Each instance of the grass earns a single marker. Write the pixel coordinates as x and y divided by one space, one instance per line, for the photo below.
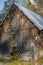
18 62
41 60
14 61
2 58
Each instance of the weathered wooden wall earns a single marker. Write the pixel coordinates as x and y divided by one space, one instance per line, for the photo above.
19 30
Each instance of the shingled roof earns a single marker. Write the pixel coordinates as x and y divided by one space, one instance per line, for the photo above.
34 17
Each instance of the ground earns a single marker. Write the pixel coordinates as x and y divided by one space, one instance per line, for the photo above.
19 62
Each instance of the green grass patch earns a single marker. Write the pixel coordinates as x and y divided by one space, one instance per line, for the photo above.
3 59
19 62
41 60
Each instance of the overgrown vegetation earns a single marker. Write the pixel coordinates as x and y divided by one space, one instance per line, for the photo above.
29 6
40 60
39 10
19 62
41 2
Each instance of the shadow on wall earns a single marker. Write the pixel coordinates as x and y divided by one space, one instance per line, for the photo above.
4 48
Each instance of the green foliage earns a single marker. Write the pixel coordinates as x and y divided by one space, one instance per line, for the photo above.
16 56
19 62
3 58
0 29
41 2
29 6
0 22
41 60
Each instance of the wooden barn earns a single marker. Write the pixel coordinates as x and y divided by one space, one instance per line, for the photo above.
23 29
